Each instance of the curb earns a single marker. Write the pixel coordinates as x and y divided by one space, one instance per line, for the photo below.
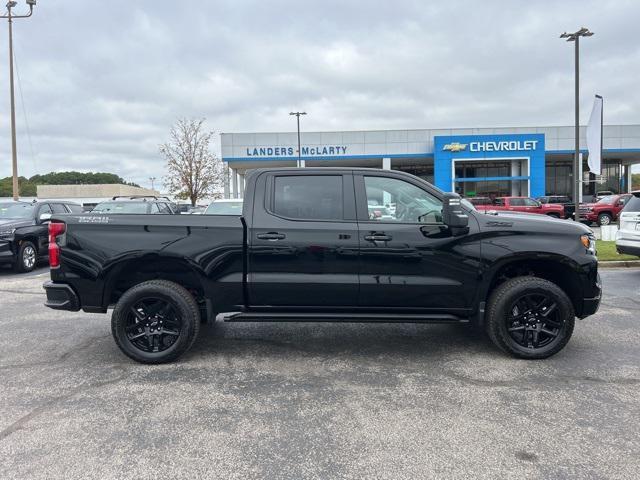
619 264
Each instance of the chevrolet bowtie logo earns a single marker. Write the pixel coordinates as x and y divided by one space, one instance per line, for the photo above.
455 147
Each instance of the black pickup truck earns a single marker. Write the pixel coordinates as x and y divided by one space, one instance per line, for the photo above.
327 244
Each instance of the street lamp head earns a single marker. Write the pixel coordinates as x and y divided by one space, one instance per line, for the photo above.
11 4
572 37
31 3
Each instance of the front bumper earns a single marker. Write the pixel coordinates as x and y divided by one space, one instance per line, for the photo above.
7 255
61 296
590 305
588 216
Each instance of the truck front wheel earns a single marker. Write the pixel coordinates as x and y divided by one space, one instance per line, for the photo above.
155 321
26 258
529 317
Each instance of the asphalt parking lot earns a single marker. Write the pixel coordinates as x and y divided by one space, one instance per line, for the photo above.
316 401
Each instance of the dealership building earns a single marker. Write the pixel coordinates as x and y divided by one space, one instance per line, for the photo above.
522 161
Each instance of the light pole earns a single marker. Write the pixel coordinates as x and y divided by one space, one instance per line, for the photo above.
297 114
153 179
14 154
577 181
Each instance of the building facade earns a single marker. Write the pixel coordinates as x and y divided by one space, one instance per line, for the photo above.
533 161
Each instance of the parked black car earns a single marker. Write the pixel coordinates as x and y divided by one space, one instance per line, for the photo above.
569 206
307 249
136 204
23 231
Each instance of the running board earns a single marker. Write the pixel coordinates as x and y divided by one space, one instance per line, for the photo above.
343 317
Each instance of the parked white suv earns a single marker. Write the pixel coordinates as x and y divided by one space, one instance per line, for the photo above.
628 236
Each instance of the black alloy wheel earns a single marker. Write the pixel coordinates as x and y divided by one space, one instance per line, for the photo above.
533 320
155 321
153 325
529 317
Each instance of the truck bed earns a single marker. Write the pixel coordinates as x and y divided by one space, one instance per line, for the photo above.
111 250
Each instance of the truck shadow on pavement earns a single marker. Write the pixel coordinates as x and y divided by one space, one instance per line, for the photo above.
334 340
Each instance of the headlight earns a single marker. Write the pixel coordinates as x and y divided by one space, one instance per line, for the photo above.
589 242
7 233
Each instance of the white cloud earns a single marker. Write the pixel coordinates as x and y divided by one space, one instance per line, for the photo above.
103 81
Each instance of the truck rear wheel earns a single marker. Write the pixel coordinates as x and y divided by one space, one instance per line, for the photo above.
155 322
529 317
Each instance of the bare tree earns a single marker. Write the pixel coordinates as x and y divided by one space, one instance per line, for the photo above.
193 170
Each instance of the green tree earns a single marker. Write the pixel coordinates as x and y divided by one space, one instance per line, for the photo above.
25 187
28 186
635 181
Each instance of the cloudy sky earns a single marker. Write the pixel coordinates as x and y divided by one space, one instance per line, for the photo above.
102 81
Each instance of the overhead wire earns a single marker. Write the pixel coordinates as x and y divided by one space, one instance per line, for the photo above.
24 113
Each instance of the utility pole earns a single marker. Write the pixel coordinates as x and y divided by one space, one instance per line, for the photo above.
297 114
14 153
577 181
153 179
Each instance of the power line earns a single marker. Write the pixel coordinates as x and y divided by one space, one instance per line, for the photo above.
24 113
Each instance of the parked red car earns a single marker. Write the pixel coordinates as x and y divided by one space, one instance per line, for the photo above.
525 205
605 210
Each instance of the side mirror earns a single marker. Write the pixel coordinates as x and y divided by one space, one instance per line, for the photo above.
45 217
453 215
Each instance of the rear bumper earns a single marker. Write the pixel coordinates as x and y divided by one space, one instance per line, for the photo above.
627 246
61 296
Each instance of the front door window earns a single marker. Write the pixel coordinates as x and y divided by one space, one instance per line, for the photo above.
393 200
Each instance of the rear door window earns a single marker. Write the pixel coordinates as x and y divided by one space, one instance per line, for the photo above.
74 208
58 208
308 197
164 208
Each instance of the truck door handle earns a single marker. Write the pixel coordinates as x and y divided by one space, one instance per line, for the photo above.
377 237
271 236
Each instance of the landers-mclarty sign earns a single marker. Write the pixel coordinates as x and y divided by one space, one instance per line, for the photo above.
321 151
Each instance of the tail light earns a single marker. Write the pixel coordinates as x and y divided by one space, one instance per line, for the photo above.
55 230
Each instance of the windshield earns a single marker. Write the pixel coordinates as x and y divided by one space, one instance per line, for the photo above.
224 208
16 210
121 207
607 200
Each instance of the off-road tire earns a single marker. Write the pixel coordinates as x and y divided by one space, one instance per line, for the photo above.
180 299
498 309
